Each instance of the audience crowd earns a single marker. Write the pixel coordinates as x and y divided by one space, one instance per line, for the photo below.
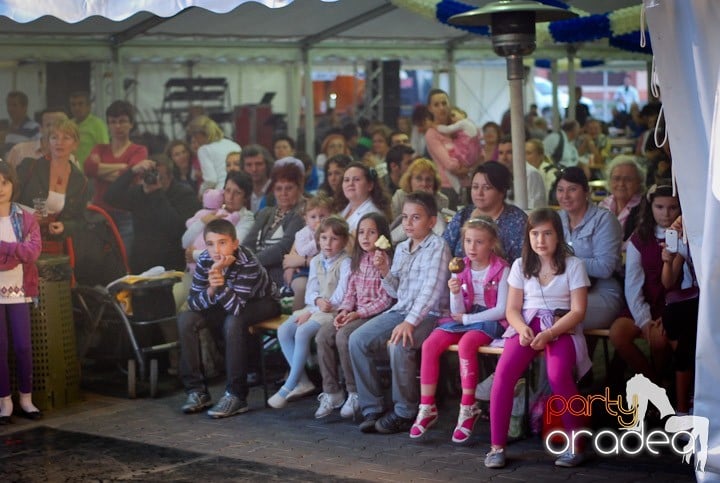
362 237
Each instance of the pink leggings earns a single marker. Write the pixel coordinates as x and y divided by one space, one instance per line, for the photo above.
560 361
468 343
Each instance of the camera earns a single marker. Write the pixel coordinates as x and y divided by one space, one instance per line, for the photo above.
150 176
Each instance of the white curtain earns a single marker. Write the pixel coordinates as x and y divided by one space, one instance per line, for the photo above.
685 39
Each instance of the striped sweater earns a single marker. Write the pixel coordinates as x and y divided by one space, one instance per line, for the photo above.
245 280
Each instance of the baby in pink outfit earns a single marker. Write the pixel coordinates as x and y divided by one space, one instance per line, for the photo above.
465 136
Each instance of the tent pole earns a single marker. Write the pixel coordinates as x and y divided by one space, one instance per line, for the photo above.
515 75
309 105
293 102
572 101
450 59
555 97
117 76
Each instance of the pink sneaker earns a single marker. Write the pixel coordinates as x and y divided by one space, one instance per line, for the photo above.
465 424
427 416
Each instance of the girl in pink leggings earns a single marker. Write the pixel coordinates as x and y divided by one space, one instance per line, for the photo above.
545 307
477 302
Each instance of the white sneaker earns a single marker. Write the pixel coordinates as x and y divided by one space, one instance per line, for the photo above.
351 406
328 402
277 401
303 388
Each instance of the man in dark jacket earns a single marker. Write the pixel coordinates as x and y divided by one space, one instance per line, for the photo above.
159 208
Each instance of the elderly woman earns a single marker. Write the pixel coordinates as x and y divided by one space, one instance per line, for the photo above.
58 182
596 237
421 175
212 149
273 234
625 178
362 192
490 184
451 170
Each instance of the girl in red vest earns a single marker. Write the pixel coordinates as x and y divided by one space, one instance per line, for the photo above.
477 302
644 290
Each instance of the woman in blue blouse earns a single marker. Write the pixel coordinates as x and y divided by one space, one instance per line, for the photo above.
490 184
595 235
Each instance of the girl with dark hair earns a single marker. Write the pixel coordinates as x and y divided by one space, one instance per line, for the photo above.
365 298
181 155
333 174
490 183
20 248
546 305
362 192
596 237
644 288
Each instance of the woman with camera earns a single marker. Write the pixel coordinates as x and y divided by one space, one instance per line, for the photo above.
159 207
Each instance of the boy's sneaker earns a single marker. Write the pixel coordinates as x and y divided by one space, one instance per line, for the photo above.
351 406
391 423
495 458
427 416
467 417
368 424
228 405
328 403
570 460
196 402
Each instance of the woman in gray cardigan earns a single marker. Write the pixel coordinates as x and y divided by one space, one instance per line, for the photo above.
273 233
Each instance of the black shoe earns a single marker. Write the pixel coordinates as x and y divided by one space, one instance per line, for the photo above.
392 423
33 415
5 420
368 424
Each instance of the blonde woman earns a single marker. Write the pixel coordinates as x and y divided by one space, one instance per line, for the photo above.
57 181
212 149
421 175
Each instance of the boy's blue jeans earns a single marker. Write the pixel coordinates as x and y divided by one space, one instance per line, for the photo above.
370 340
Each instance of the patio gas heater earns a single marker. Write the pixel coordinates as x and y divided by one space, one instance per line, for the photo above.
512 27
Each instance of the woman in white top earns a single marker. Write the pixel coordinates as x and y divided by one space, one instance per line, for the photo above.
362 192
212 150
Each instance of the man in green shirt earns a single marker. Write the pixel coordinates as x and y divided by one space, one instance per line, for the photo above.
92 129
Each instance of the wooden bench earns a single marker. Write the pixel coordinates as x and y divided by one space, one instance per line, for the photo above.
266 326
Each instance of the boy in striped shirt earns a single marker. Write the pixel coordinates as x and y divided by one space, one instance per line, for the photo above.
230 291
